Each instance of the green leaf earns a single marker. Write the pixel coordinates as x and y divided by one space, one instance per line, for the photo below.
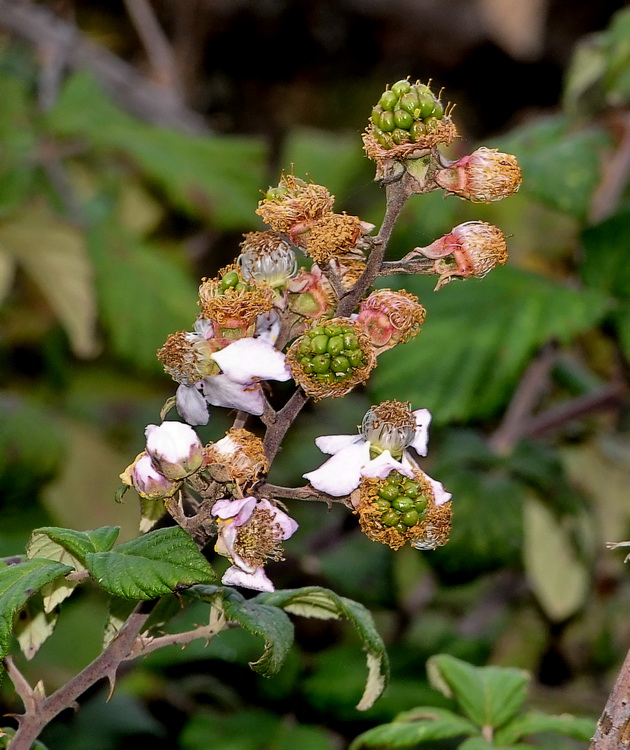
489 696
414 727
34 626
256 618
534 722
69 547
478 743
216 178
53 254
150 566
313 601
478 338
144 295
558 576
561 166
17 584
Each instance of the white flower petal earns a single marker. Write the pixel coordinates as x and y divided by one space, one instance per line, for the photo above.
240 510
248 359
220 390
334 443
342 473
268 327
191 405
421 439
381 466
285 522
440 494
257 580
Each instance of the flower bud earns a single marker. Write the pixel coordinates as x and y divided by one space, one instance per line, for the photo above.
147 480
389 318
174 448
484 176
470 249
331 358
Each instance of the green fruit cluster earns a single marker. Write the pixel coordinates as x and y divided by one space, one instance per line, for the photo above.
405 114
330 353
231 280
401 501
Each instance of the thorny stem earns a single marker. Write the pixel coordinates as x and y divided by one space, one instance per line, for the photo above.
105 665
397 194
301 493
128 644
284 419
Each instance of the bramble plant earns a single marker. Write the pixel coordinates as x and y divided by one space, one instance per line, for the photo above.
298 303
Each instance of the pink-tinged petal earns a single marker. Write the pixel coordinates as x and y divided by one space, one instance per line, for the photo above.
342 473
191 405
257 580
226 539
421 439
334 443
240 510
284 521
268 327
440 494
219 390
381 466
204 327
247 360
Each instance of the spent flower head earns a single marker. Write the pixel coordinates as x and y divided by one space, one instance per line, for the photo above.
294 204
267 258
484 176
390 317
251 532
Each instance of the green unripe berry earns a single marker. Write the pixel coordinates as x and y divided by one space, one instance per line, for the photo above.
400 136
410 489
422 88
403 119
376 116
426 105
230 279
409 518
321 363
319 344
401 87
340 364
438 110
409 102
420 505
388 492
350 341
317 331
335 345
432 124
388 100
390 518
417 130
356 357
382 505
387 122
402 503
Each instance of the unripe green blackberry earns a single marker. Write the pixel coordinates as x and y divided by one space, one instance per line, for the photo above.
331 358
408 117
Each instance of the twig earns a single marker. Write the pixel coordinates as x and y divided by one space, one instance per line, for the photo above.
615 175
105 665
307 492
284 419
145 645
132 91
613 727
21 685
156 45
529 390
